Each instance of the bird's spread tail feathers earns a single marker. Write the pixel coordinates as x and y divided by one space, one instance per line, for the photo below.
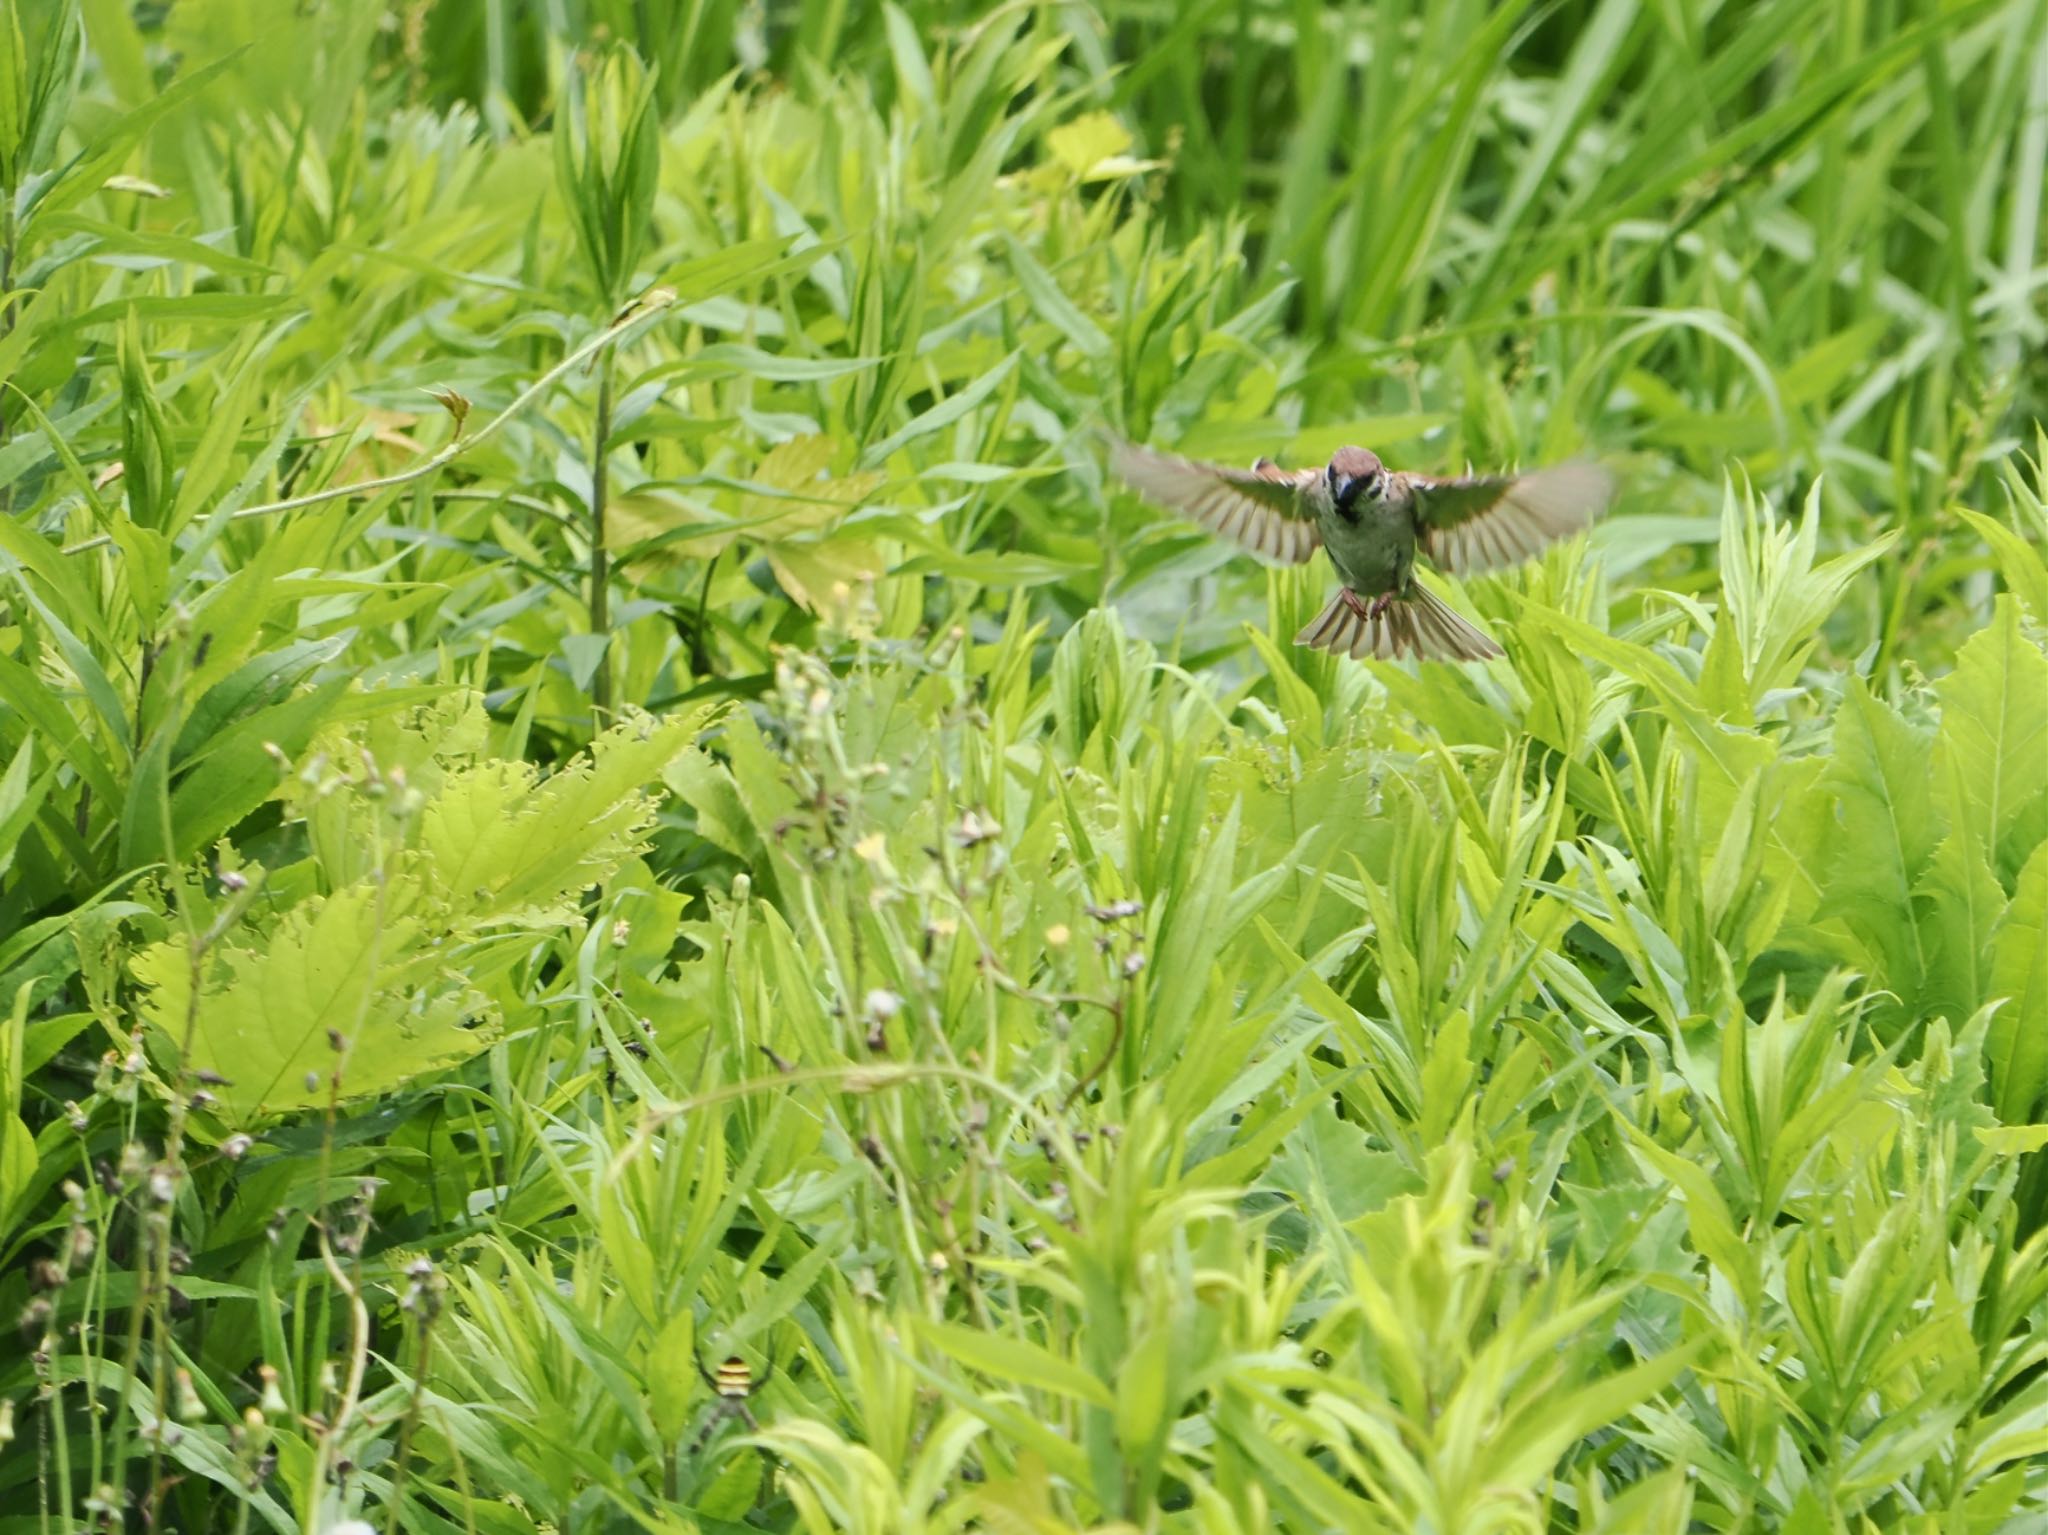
1421 624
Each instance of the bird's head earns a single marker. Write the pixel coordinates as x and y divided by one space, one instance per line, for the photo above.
1355 472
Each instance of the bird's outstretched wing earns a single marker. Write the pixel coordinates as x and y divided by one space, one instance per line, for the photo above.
1260 507
1480 522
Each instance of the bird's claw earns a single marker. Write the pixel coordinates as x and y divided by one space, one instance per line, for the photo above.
1369 611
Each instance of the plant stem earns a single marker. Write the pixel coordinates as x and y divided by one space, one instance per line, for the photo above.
9 235
600 556
659 299
422 1367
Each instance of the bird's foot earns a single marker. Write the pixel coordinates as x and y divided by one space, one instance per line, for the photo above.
1379 606
1356 603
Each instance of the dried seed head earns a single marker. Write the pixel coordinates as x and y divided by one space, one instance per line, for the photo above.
976 828
1116 911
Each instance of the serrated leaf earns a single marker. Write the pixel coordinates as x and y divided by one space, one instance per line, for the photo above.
507 845
1960 902
1883 831
1994 734
262 1015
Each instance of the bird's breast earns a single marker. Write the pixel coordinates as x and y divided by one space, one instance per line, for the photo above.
1367 553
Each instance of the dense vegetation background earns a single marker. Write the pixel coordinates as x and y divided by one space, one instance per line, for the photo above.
591 778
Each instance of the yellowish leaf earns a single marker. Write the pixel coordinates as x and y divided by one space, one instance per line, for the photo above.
1087 141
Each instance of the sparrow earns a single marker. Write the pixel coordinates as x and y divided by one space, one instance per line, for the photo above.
1372 520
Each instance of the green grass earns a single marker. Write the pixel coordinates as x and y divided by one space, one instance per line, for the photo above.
592 777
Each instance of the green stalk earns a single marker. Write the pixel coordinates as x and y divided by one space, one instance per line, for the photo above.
600 556
9 236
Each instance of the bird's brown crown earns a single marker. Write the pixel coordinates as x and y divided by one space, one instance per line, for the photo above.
1355 462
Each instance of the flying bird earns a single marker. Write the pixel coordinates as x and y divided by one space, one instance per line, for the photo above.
1372 520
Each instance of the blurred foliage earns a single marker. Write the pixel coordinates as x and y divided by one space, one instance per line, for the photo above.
592 781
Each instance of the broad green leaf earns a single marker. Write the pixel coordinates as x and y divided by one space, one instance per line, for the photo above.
1883 831
504 844
266 1018
1994 735
18 1157
2017 1043
1960 903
